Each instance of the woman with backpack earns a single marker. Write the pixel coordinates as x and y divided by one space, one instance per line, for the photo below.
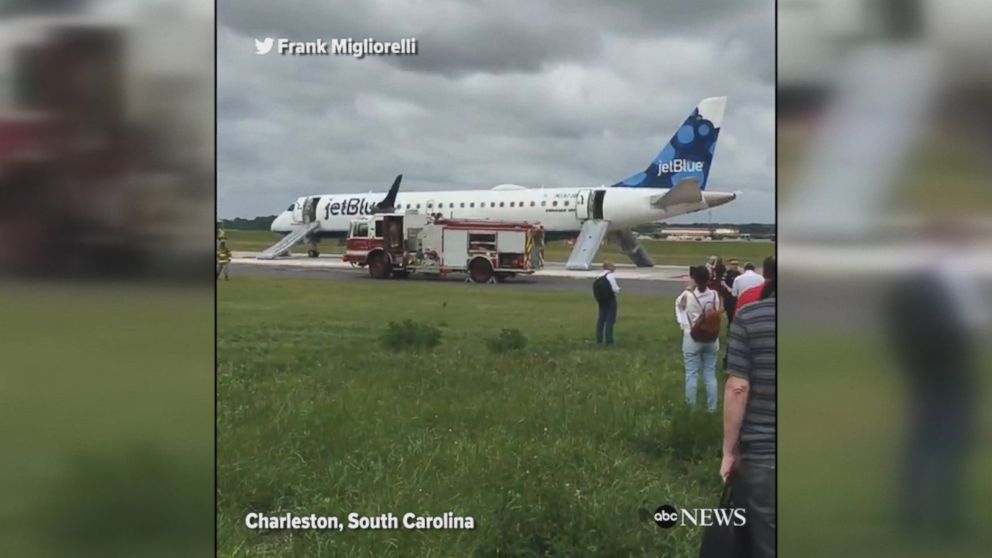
699 311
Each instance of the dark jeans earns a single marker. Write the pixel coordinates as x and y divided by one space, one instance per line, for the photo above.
754 490
604 323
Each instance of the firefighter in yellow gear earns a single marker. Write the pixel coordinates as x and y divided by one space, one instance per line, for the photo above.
223 259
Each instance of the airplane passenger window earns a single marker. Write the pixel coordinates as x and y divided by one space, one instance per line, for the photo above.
555 203
532 204
543 203
566 203
492 204
418 206
430 205
462 204
511 204
451 205
471 204
501 204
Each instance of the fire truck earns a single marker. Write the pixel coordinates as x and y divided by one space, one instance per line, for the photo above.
397 244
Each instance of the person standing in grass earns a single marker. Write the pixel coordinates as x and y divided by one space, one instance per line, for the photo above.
698 311
746 280
749 424
605 290
729 300
223 259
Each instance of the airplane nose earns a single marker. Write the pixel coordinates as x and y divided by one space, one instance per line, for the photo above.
714 199
282 223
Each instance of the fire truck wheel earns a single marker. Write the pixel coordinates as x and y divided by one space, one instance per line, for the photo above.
480 270
379 267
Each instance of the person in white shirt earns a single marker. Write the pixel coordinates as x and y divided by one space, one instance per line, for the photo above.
689 307
746 280
605 290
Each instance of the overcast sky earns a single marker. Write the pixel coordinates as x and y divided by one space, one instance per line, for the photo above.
530 92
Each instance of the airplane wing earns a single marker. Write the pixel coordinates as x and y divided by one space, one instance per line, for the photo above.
687 191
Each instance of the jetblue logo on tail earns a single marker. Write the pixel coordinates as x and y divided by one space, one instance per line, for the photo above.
679 165
688 154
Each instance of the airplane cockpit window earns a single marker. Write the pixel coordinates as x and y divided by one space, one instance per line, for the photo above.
291 207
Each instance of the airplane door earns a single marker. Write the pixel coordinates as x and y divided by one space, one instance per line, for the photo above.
310 209
298 210
583 205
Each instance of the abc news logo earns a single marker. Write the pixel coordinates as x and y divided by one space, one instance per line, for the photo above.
667 517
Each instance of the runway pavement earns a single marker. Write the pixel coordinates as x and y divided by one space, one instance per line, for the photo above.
658 280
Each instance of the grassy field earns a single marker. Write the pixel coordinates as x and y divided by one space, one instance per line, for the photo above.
664 252
561 448
842 411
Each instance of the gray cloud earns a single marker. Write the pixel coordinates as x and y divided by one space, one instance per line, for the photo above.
548 93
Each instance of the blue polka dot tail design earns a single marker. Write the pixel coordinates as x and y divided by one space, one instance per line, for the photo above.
688 154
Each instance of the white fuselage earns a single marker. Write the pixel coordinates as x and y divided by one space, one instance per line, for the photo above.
561 210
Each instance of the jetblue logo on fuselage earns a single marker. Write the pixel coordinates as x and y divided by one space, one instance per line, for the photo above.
679 165
349 206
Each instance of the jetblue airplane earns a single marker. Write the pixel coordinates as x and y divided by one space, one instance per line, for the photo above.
674 183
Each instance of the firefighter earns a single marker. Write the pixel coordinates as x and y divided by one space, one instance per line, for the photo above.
223 259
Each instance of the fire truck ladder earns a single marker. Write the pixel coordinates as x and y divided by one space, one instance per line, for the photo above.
587 244
292 239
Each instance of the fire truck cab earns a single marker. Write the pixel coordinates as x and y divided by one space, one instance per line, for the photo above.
397 244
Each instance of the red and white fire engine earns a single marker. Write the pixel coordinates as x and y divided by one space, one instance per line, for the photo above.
397 244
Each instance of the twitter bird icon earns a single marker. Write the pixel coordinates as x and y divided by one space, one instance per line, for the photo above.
263 46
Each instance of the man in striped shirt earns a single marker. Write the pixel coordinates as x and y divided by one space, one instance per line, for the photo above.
749 418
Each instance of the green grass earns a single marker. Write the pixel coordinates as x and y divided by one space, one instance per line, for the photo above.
842 411
559 448
664 252
107 420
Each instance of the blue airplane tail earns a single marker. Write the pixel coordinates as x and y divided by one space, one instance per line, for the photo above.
688 154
